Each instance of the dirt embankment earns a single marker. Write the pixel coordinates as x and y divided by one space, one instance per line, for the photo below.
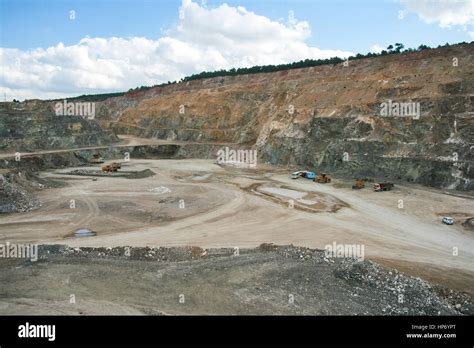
267 280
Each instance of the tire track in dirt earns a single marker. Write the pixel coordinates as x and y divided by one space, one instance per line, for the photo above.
93 211
149 233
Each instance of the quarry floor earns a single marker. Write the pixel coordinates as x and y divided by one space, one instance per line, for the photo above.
194 202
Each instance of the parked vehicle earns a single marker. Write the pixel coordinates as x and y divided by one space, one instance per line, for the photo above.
359 184
322 179
117 165
303 174
448 220
96 159
296 175
383 186
112 167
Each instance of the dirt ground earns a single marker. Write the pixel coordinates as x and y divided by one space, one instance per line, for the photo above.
197 202
171 281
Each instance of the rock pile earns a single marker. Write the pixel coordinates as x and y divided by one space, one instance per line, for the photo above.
14 197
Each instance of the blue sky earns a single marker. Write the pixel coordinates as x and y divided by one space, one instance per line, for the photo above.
347 25
32 30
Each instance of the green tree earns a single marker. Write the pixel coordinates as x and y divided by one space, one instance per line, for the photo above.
399 47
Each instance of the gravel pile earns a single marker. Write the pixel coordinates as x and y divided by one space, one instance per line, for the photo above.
469 224
415 296
14 198
120 174
134 253
458 300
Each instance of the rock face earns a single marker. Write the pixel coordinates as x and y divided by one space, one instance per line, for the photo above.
403 116
328 117
34 125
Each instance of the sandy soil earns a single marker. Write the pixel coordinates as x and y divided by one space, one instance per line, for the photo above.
211 206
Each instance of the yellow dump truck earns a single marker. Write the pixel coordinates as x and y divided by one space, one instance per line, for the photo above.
111 167
359 184
96 159
322 179
383 186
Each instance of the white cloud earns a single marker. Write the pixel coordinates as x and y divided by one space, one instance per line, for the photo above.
376 48
446 13
204 39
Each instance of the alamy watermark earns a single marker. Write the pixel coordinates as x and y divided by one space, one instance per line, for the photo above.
237 158
19 251
356 251
400 109
37 331
84 109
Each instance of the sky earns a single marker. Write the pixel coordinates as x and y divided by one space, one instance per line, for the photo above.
64 48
